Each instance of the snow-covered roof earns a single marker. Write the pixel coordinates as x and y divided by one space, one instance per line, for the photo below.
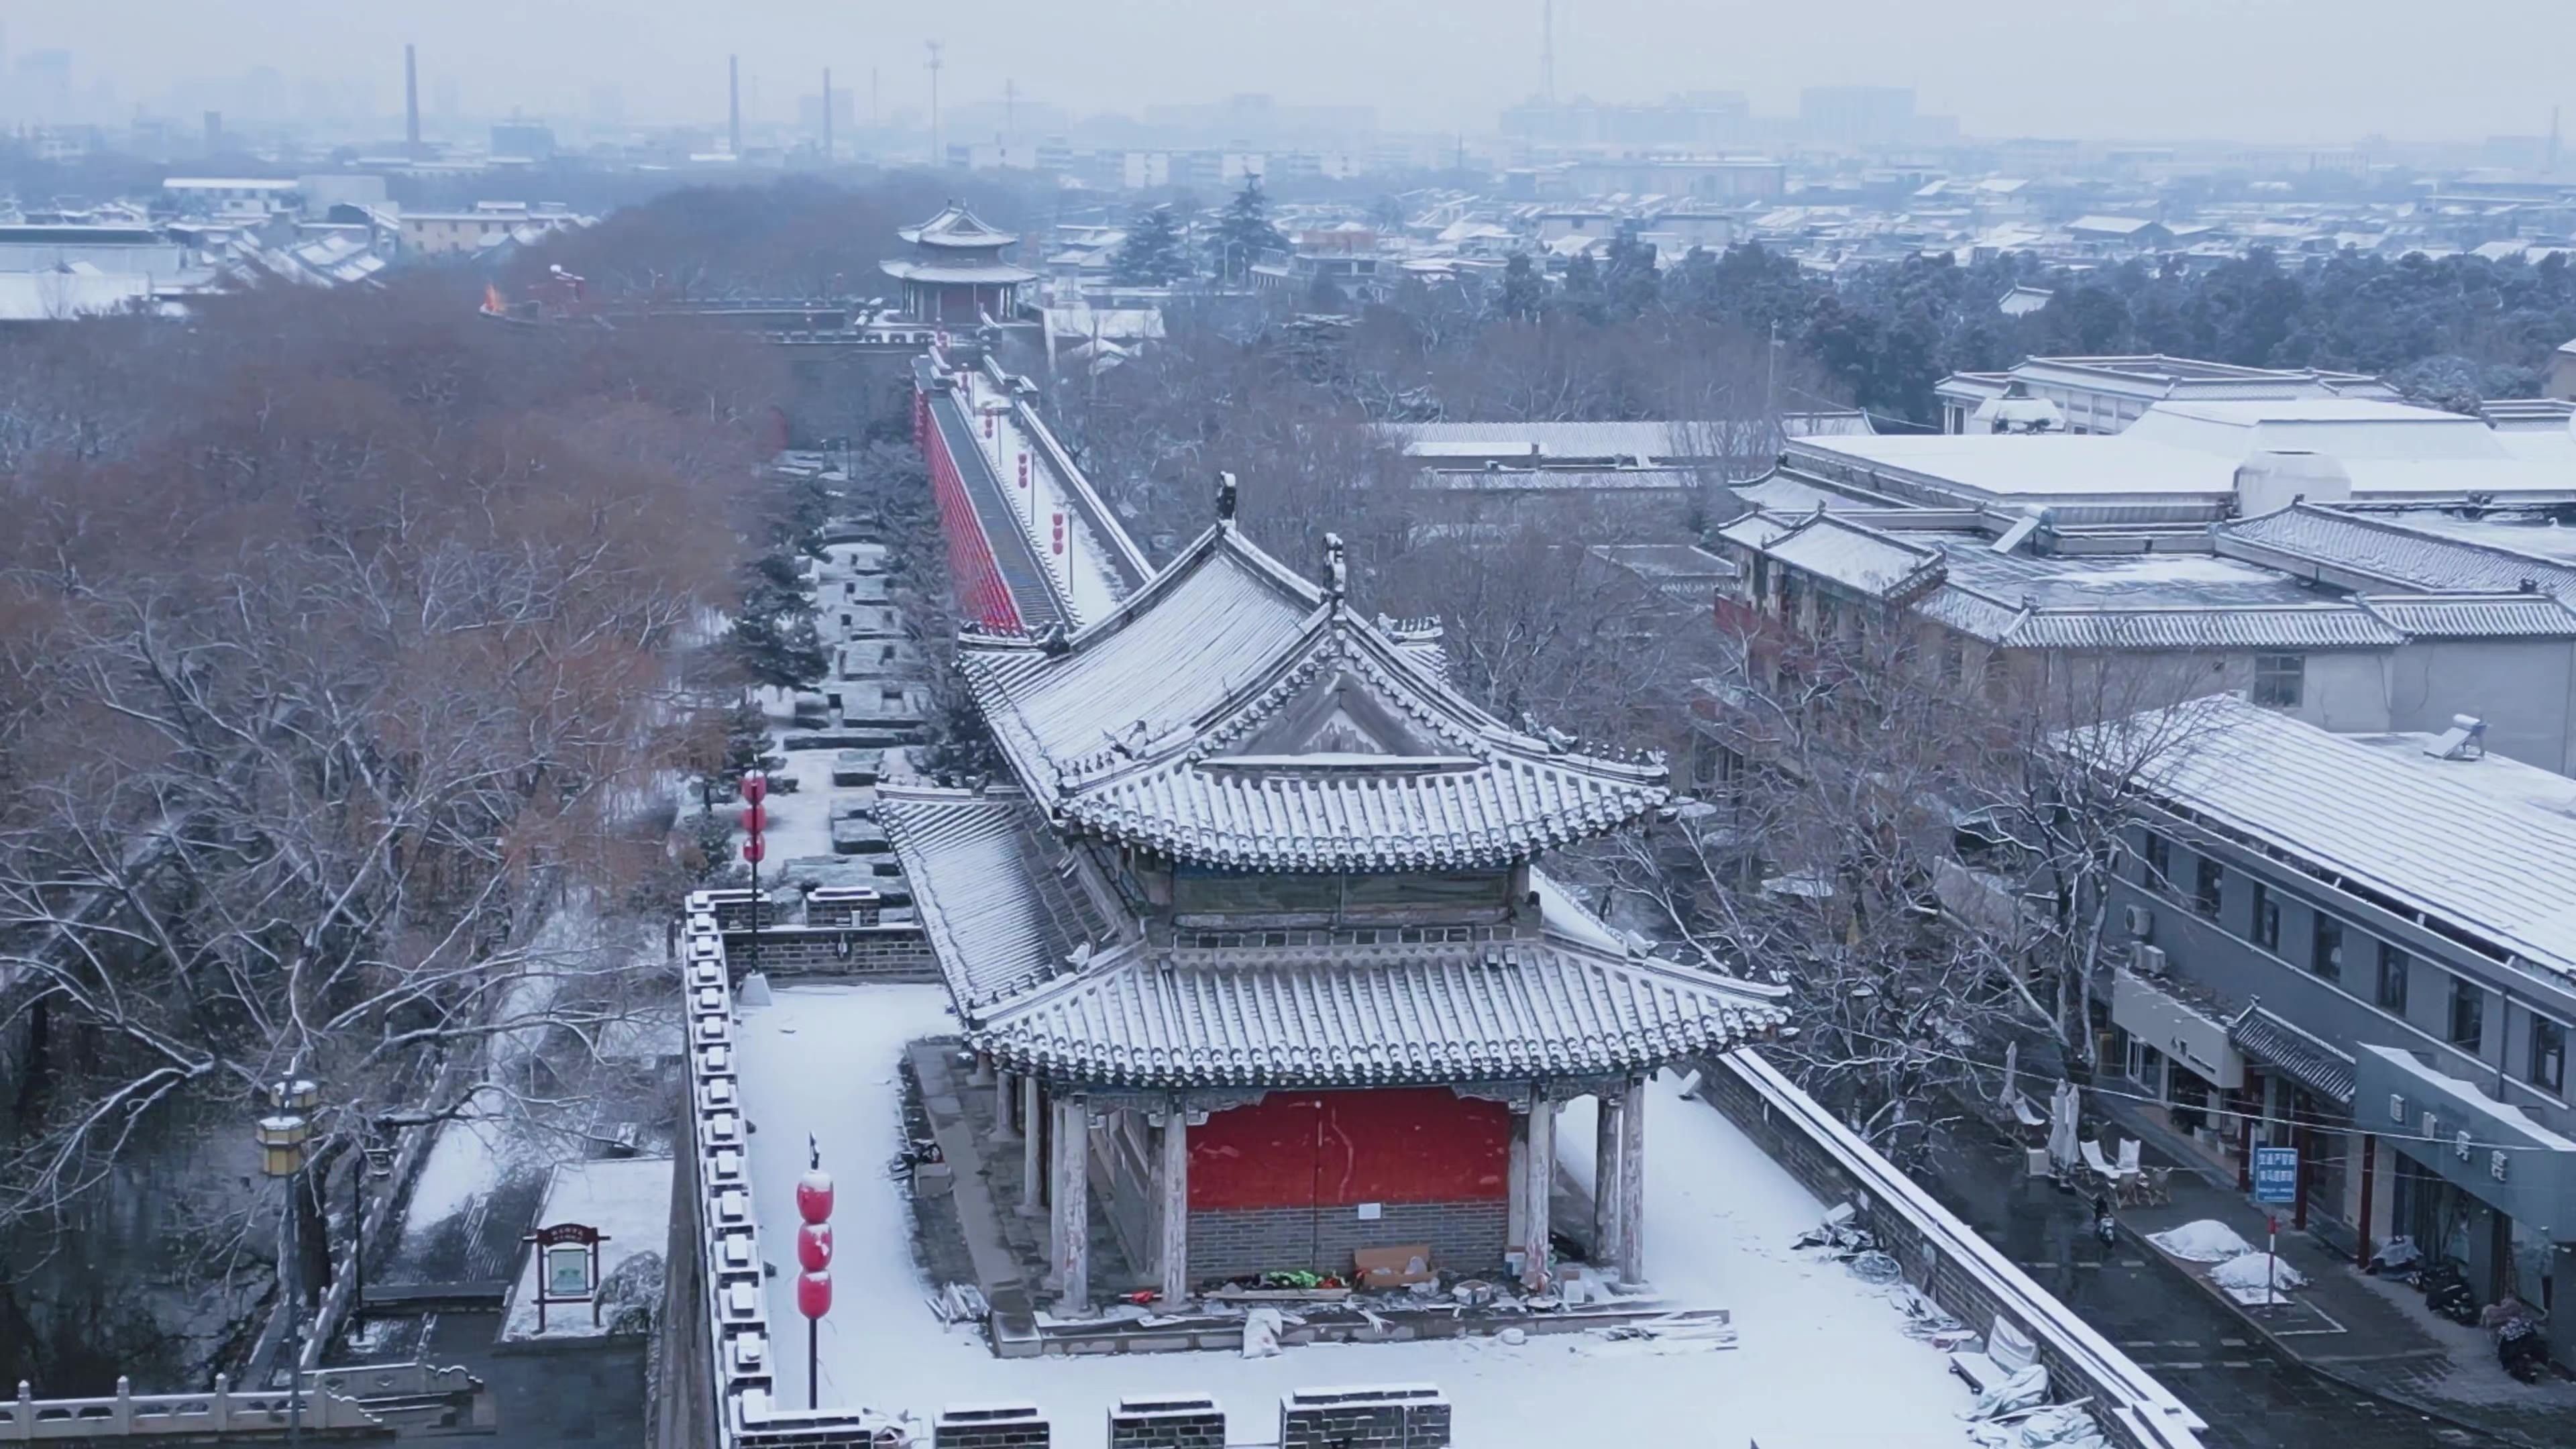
978 273
2110 225
2399 550
2475 616
1334 1014
1863 559
1048 983
1233 714
2493 868
1644 441
980 868
2190 451
957 228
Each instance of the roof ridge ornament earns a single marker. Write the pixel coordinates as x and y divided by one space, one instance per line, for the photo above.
1337 574
1225 498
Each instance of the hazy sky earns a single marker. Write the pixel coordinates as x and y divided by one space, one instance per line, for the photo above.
2304 70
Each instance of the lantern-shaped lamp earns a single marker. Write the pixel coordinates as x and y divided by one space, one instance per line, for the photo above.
814 1294
282 1142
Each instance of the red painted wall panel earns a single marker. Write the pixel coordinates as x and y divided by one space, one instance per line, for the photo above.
1333 1149
981 594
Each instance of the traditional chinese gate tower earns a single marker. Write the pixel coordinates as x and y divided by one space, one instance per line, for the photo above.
1257 947
956 275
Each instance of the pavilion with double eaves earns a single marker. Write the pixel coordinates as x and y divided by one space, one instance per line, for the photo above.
1254 940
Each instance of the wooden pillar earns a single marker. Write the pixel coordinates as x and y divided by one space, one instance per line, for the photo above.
1172 1200
1538 1177
1515 1180
1632 1186
1607 1135
1073 1206
1006 1100
1033 1148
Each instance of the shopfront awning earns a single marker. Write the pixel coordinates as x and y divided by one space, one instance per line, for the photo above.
2491 1150
2189 1033
2297 1054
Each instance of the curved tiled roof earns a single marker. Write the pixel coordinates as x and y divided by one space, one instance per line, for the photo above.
999 918
1157 727
1372 1016
2475 616
2290 626
2305 533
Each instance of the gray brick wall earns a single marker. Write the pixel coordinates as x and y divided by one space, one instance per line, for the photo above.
1465 1237
877 953
1018 1426
1167 1424
1402 1418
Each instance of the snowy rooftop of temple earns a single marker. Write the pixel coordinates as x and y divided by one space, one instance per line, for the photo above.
1823 1358
1232 713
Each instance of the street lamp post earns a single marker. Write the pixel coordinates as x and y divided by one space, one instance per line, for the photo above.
285 1138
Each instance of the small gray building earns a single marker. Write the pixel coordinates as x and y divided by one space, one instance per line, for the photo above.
2364 947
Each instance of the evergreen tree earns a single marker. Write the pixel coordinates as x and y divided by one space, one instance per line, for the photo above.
747 744
1152 255
773 636
1244 232
1523 292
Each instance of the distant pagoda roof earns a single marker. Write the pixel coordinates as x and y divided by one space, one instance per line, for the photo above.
1048 982
962 273
956 228
1230 713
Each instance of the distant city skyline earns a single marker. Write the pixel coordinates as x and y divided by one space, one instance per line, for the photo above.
2300 71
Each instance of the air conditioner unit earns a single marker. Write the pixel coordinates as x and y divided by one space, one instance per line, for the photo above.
2150 960
2140 920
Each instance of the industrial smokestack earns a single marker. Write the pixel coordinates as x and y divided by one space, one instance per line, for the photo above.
733 104
411 100
827 115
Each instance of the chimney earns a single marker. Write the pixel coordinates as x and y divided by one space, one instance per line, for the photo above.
733 104
827 115
411 101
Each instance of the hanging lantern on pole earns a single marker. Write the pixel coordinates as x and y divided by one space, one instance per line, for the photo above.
814 1255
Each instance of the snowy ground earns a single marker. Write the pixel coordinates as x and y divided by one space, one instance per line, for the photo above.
629 1199
1822 1360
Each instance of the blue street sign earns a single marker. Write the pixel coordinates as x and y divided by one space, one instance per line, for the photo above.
2276 1174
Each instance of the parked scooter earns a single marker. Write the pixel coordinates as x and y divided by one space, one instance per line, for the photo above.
2105 1226
2446 1292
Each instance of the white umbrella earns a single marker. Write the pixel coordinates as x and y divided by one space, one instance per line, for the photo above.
2062 1108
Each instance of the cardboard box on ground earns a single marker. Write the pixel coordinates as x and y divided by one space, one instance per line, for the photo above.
1392 1267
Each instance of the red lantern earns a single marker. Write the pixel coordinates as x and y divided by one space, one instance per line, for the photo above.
814 1196
814 1247
754 850
1059 533
755 819
755 786
814 1294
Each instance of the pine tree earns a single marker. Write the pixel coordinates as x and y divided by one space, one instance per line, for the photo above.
747 743
773 636
1522 290
1151 256
1244 232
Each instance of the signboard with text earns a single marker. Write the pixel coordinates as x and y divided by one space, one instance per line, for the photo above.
2276 1174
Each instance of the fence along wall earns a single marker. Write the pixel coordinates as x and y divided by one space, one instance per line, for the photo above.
1944 1256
